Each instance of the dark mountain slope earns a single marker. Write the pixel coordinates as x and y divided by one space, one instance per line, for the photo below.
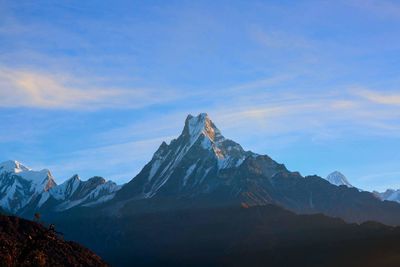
235 236
25 243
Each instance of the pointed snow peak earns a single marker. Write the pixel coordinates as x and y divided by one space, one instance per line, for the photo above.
337 178
71 181
12 166
38 179
67 188
389 194
74 178
201 125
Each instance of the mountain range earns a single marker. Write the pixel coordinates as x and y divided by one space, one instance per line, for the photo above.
204 169
23 190
183 188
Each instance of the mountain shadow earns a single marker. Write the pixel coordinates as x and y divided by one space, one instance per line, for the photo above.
235 236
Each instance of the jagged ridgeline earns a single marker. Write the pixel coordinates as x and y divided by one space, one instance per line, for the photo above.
200 168
24 191
203 199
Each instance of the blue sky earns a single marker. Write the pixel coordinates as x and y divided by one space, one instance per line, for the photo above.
93 88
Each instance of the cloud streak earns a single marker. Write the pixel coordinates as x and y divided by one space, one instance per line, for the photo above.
323 114
379 98
24 88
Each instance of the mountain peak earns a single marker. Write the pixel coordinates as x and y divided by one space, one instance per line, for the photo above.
337 178
189 161
195 126
36 177
389 194
12 166
21 184
75 177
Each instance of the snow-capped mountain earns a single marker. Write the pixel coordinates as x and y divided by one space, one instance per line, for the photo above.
337 178
74 192
23 190
201 162
190 163
389 195
203 169
19 185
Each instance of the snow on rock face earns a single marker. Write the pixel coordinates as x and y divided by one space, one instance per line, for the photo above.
12 166
19 184
227 152
74 192
186 162
66 189
201 125
198 132
389 195
189 171
337 178
39 180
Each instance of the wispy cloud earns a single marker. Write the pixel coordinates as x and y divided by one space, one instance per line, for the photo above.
322 114
378 97
258 105
25 88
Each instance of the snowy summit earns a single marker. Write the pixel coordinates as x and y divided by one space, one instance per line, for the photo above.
23 188
12 166
337 178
